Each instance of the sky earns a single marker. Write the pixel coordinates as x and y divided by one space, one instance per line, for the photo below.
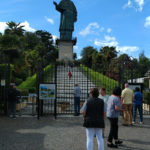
124 24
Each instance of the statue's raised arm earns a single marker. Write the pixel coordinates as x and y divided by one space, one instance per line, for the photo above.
54 3
68 17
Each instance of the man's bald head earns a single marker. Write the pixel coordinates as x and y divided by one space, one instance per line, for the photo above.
126 85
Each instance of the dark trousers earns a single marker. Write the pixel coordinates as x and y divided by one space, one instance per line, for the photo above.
113 134
139 107
76 105
12 108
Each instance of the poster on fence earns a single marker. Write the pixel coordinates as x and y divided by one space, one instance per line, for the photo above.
3 83
132 86
47 91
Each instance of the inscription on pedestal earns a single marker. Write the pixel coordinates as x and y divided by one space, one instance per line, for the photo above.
65 50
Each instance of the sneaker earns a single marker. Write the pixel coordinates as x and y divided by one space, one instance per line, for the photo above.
118 142
141 122
112 145
125 124
14 117
133 122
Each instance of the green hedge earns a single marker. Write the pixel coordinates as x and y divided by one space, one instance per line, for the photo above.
30 83
146 97
99 79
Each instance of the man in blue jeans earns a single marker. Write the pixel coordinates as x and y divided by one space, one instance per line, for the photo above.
137 104
77 95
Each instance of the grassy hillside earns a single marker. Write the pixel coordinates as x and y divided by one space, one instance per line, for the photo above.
30 83
99 79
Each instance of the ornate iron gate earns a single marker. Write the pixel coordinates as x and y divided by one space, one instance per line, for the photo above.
84 76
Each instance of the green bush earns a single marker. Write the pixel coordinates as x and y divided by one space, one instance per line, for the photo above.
24 92
146 97
18 81
32 90
30 83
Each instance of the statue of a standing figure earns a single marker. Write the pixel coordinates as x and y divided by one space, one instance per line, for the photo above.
68 17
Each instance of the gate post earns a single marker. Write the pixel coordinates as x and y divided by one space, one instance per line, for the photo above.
87 82
55 103
120 76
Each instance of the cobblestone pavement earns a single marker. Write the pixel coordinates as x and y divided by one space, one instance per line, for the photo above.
65 133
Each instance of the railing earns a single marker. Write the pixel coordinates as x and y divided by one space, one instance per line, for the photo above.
146 109
27 105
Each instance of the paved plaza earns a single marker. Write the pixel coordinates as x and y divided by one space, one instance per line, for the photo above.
65 133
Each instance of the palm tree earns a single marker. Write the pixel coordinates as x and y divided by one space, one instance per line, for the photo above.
10 43
15 28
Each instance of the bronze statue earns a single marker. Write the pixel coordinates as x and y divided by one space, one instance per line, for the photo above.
68 17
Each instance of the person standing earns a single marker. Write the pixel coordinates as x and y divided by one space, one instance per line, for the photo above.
69 74
105 97
93 113
77 95
12 97
137 104
127 100
113 111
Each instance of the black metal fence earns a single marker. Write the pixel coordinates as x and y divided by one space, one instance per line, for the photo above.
86 77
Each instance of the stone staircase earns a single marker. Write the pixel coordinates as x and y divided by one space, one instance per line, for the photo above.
65 88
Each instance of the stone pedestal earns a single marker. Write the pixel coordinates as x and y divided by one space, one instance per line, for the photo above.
65 49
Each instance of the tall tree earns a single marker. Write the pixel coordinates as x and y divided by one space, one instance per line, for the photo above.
86 54
31 39
15 28
144 64
109 53
47 40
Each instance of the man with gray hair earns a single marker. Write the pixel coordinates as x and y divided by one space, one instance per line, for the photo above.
77 95
127 100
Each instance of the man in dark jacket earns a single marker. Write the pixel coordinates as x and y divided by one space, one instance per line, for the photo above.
12 96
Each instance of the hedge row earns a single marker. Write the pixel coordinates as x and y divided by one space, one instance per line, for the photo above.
99 79
30 84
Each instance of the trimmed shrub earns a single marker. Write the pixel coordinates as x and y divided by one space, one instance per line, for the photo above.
146 97
30 83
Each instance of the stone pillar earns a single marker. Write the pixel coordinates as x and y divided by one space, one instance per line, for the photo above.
65 48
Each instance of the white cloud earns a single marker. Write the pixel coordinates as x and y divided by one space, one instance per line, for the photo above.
3 26
126 49
51 21
140 3
136 4
147 22
112 42
79 57
54 38
91 29
109 30
109 41
26 27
